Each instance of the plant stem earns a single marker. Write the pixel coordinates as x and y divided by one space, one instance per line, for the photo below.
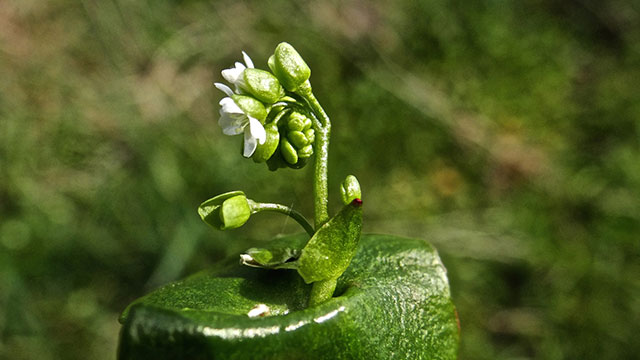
323 132
295 215
322 291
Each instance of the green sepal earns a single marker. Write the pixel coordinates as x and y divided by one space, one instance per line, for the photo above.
251 106
235 212
280 253
225 211
289 67
350 189
262 85
330 250
265 151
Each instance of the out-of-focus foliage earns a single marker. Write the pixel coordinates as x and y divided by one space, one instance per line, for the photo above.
505 132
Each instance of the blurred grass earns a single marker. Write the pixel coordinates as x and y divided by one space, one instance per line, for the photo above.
505 132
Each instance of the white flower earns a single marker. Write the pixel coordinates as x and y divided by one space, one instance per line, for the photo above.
234 75
234 121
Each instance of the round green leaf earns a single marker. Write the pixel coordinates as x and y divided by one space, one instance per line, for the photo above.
393 302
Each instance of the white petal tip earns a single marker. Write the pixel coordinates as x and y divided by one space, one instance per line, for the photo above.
247 60
224 88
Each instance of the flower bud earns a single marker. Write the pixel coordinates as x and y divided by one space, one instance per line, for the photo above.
262 85
289 153
289 67
305 152
296 139
299 139
296 121
311 135
226 211
251 107
350 190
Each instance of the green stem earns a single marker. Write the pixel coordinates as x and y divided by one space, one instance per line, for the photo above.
322 291
323 132
257 207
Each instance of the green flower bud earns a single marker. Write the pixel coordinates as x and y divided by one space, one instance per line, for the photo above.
251 107
311 135
265 151
350 190
305 152
296 142
262 85
307 123
226 211
297 139
296 121
289 67
288 152
300 137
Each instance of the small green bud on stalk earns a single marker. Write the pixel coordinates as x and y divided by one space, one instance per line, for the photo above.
350 190
289 67
226 211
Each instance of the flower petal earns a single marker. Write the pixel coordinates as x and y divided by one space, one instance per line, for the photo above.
247 60
232 125
233 74
229 106
250 144
224 88
257 130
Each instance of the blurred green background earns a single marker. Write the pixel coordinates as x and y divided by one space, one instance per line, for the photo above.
505 132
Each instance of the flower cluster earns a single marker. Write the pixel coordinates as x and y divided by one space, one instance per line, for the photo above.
265 108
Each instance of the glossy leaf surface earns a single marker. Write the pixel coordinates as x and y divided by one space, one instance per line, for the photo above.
393 302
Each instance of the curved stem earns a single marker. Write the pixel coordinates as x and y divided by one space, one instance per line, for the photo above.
257 207
321 291
322 129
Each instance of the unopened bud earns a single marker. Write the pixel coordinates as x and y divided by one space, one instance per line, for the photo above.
350 190
226 211
289 67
